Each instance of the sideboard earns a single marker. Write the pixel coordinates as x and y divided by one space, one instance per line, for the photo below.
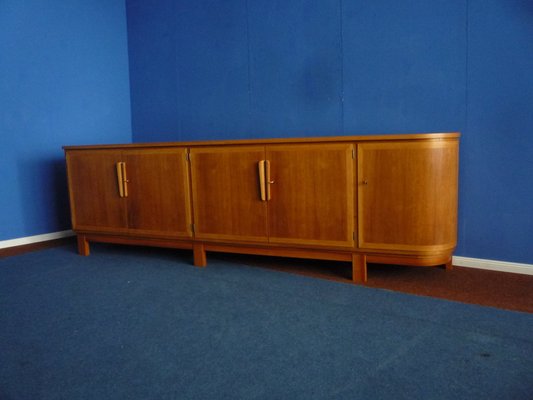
361 199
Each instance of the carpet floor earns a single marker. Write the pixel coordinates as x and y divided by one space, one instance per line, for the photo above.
136 323
468 285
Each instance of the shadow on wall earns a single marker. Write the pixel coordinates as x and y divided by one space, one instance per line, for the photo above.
319 86
43 184
526 5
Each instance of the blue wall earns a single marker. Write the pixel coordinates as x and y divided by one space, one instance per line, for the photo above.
63 80
244 69
497 155
232 69
278 68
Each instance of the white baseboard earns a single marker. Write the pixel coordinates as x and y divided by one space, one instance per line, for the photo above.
35 239
493 265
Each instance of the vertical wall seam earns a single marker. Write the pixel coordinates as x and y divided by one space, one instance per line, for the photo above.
463 224
341 31
176 40
467 29
130 84
249 67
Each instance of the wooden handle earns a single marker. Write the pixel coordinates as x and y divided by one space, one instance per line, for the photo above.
120 180
262 187
268 181
124 179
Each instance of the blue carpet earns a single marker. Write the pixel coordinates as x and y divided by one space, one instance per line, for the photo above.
135 323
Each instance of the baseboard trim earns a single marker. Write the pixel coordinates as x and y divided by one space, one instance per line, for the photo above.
4 244
493 265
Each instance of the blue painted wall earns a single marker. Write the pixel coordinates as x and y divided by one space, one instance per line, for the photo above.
497 155
404 66
238 68
242 69
63 80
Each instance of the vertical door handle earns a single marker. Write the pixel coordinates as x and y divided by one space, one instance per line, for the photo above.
124 179
268 181
120 180
262 187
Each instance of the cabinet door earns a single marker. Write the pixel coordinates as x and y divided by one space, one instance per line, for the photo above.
312 194
94 191
226 193
158 198
408 195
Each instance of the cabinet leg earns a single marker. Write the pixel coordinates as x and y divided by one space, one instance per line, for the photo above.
359 274
449 265
200 259
83 246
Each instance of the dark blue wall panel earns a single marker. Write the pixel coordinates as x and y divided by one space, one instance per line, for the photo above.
63 80
497 161
404 66
243 68
189 69
295 68
213 69
153 71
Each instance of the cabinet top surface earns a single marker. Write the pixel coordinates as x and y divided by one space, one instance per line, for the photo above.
323 139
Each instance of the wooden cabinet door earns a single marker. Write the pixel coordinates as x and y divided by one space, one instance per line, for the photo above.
312 194
158 198
94 191
407 197
226 193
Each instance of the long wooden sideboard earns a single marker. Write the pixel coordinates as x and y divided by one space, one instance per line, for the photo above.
384 199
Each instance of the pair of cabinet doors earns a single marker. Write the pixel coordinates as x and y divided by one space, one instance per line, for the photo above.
142 192
307 196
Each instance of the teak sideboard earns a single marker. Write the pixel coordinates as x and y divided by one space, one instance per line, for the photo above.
384 199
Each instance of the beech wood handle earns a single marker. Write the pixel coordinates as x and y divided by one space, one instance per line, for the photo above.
120 180
124 179
262 188
268 181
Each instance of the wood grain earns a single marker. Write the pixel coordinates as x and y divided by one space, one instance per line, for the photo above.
248 142
408 195
158 192
94 192
226 193
311 194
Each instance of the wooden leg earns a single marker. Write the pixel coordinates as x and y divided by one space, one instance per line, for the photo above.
200 259
83 246
359 274
449 265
